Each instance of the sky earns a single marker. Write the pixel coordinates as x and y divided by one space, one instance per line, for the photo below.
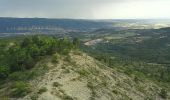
86 9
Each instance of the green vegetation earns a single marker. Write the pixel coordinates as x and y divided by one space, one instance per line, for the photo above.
91 86
34 97
138 53
76 42
20 89
83 72
56 84
22 76
21 54
66 97
163 93
55 58
24 58
4 71
42 90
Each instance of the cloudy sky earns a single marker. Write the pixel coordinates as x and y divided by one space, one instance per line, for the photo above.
86 9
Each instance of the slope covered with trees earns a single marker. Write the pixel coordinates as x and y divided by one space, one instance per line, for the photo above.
146 54
24 53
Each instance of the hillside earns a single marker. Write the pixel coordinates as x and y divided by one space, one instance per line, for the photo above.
42 67
145 53
80 77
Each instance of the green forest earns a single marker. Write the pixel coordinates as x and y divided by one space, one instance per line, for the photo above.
146 59
22 53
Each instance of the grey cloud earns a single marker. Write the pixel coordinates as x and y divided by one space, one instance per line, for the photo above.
56 8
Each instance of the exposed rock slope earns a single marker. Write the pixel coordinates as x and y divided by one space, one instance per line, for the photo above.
81 77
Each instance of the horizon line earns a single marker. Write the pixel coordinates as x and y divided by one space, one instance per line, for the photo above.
93 18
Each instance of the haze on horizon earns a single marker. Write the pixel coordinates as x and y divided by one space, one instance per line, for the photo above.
86 9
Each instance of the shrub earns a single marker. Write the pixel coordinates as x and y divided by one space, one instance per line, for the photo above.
68 58
4 71
76 42
34 97
22 76
66 97
128 71
5 98
83 73
55 58
104 83
136 79
56 84
115 91
90 85
16 76
42 90
77 52
163 93
66 71
20 89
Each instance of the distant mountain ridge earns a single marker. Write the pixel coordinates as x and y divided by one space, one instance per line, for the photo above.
28 24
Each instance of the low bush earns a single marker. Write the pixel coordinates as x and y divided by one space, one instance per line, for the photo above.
56 84
83 73
55 58
5 98
66 97
34 97
163 93
20 89
4 71
42 90
90 85
22 76
115 91
67 58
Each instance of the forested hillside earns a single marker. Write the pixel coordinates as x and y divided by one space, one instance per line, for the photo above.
45 67
23 53
144 53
